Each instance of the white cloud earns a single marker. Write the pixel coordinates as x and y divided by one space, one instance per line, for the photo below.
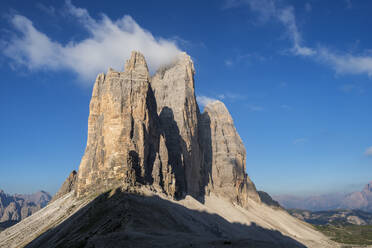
267 9
204 100
50 10
347 63
342 63
288 19
227 96
231 96
368 151
108 45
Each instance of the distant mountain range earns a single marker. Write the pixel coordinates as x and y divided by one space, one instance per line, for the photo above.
357 200
14 208
336 217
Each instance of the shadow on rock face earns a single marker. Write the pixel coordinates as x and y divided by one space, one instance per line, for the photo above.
206 142
123 219
175 146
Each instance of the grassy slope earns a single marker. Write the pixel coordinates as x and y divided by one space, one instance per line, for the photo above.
348 234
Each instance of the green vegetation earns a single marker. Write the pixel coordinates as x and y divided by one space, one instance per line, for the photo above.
347 234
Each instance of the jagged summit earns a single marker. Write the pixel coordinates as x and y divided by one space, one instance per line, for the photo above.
122 130
149 131
225 155
137 64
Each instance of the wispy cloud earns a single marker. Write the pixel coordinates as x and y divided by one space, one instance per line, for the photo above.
50 10
368 151
227 96
347 63
231 96
299 141
108 45
288 19
342 63
266 10
245 58
308 7
204 100
255 108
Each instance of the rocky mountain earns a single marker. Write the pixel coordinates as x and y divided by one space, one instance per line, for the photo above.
158 173
335 217
312 203
357 200
267 199
14 208
150 131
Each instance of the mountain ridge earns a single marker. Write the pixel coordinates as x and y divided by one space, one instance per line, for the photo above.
356 200
16 207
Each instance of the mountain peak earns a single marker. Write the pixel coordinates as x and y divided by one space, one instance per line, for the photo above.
227 162
149 131
368 187
136 63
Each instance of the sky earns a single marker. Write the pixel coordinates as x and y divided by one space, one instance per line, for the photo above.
295 75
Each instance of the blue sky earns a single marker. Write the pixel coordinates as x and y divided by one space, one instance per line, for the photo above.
295 75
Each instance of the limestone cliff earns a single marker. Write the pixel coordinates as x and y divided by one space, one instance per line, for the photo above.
144 130
179 113
225 156
121 130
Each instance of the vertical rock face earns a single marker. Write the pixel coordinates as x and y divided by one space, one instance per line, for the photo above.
121 130
224 156
179 113
150 131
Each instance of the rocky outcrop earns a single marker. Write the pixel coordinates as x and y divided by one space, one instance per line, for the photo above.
225 156
122 141
267 199
14 208
359 200
67 186
179 113
144 130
